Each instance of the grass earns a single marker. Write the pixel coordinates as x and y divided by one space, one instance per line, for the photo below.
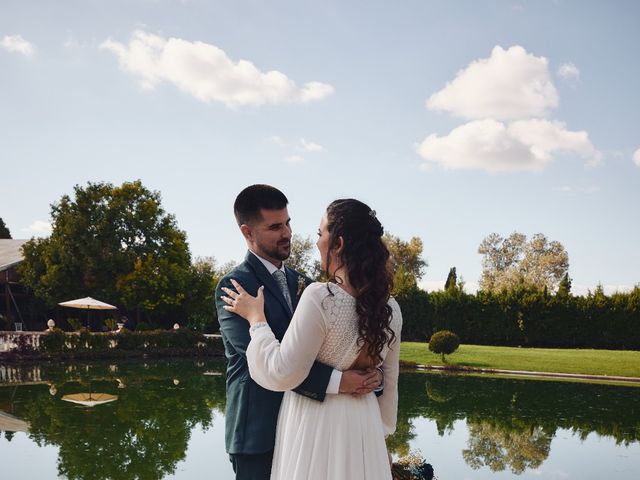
590 362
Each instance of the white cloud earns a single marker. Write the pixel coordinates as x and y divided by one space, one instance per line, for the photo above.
301 145
636 157
569 71
17 44
278 140
305 146
207 73
570 189
39 228
494 146
509 84
294 159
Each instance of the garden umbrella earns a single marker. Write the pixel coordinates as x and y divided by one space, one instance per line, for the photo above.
90 399
88 303
9 423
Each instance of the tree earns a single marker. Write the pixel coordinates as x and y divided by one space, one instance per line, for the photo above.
511 262
406 254
444 342
452 279
302 257
564 288
200 303
4 230
115 243
406 262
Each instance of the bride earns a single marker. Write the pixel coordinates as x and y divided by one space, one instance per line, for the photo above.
348 322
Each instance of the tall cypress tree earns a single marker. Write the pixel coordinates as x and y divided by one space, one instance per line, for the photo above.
452 279
4 231
564 288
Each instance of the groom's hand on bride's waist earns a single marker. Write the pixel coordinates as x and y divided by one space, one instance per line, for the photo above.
360 382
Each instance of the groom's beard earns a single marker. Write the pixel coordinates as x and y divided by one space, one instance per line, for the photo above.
281 251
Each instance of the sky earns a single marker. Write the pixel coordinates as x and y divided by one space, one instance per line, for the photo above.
451 119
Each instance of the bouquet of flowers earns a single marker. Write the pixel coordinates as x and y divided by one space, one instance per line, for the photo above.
412 467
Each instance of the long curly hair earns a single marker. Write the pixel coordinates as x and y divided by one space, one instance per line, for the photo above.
366 260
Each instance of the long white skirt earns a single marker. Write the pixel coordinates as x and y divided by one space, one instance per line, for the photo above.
338 439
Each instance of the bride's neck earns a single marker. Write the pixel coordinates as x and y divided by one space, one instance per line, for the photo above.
342 279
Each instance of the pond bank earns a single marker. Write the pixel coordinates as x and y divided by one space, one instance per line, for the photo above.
20 347
522 373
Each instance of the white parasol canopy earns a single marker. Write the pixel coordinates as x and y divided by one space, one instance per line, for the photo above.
89 399
9 423
88 303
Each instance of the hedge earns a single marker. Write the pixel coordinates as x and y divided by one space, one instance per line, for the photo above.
58 344
525 317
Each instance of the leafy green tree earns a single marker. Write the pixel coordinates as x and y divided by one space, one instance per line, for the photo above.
302 257
444 342
4 230
452 279
115 243
200 302
513 261
406 254
564 288
407 263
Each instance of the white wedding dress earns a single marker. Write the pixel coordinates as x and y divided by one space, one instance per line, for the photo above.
341 438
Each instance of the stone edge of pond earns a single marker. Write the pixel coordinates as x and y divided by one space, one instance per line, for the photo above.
524 373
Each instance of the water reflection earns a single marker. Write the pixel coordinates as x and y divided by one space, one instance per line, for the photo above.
511 423
142 435
145 433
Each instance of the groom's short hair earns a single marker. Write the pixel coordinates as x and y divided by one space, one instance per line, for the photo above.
254 198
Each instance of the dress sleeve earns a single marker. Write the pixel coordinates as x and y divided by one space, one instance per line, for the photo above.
281 366
388 401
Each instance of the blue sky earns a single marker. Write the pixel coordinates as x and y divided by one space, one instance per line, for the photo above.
452 119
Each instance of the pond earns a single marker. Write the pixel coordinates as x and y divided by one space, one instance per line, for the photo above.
165 420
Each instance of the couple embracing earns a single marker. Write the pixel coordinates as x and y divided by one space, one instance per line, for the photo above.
332 348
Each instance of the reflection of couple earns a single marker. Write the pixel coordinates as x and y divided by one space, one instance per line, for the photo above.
342 342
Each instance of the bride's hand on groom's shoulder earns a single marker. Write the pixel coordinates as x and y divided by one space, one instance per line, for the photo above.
243 304
360 382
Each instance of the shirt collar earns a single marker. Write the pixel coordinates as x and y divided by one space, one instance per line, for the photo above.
270 266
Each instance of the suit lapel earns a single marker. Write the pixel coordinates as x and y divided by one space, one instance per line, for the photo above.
267 280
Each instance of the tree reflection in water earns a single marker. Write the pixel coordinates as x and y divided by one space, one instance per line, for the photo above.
511 422
498 448
142 435
145 433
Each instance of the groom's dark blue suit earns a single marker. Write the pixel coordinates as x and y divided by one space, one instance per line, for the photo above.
252 411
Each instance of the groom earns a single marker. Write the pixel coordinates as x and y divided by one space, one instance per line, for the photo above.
252 411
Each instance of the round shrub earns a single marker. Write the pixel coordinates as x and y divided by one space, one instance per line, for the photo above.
444 342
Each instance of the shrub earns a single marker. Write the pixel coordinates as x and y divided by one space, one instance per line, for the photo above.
75 323
54 341
144 327
444 342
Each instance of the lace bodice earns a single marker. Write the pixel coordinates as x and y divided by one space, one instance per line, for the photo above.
324 327
340 347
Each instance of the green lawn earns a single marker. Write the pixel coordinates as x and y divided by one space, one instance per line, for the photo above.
592 362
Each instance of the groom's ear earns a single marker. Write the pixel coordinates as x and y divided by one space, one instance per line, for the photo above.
247 232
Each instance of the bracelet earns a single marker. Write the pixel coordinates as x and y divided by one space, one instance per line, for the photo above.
258 326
